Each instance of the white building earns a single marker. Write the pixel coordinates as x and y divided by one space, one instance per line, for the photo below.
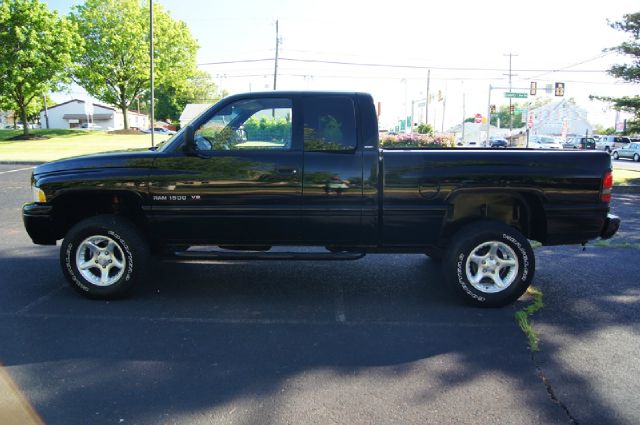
476 133
191 111
557 118
74 113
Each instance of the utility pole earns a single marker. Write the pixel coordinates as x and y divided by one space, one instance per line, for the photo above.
153 120
489 116
444 107
426 105
275 71
511 55
464 98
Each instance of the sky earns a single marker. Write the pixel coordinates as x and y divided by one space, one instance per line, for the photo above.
464 43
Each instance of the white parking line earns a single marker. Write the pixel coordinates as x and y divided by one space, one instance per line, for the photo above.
15 171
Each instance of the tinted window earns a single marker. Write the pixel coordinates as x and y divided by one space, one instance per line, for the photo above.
329 124
248 125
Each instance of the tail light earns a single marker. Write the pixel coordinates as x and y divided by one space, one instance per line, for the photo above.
607 184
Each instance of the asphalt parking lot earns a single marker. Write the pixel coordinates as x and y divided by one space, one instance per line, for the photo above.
378 340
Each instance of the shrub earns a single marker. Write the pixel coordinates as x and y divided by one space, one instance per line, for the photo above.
415 140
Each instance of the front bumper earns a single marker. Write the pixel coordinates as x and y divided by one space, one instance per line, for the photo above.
39 223
611 226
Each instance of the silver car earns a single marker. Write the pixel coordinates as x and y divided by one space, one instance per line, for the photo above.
630 150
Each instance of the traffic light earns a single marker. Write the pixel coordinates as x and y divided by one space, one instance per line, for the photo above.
492 109
559 89
533 89
512 109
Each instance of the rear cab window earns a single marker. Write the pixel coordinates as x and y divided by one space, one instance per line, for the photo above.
329 124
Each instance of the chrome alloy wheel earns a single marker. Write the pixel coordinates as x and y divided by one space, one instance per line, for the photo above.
492 267
100 260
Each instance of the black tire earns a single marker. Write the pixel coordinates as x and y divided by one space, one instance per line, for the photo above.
615 155
607 149
636 158
511 247
115 253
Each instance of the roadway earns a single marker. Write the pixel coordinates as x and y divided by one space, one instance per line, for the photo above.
379 340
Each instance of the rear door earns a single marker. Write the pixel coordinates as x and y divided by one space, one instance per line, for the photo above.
332 187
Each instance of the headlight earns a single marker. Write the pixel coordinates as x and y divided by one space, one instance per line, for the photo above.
38 194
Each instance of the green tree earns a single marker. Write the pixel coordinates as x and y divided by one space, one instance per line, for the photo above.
114 66
503 114
425 129
628 72
171 100
35 54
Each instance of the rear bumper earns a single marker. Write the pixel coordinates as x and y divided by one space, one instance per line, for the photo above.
39 223
611 226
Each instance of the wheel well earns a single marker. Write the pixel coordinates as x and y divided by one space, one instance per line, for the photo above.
69 209
521 210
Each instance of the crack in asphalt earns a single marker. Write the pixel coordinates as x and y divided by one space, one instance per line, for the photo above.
551 393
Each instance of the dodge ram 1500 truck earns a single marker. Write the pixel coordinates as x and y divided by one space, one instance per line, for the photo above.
279 169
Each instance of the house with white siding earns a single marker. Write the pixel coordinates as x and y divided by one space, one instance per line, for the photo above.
557 118
76 112
192 110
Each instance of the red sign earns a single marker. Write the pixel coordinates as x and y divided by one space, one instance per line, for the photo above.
478 118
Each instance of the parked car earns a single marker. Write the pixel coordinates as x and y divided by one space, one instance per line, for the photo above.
160 130
498 143
580 143
632 150
544 142
90 126
609 143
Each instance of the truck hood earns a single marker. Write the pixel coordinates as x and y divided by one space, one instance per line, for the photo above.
122 159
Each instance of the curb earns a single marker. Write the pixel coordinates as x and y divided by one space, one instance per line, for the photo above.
21 162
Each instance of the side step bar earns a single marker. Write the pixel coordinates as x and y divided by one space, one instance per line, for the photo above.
186 256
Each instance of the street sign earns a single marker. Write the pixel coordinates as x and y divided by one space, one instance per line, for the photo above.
559 89
517 95
533 89
478 118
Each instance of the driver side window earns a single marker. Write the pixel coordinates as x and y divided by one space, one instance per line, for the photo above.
250 124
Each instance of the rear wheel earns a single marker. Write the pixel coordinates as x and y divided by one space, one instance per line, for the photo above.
104 256
490 264
636 158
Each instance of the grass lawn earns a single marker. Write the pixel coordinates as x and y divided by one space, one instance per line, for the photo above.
66 143
626 177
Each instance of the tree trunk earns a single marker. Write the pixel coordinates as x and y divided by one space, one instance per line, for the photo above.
23 116
124 116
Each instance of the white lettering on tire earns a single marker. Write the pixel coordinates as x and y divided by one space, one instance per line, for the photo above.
128 252
70 269
463 283
525 258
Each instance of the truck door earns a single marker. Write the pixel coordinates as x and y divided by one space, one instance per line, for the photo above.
332 187
243 186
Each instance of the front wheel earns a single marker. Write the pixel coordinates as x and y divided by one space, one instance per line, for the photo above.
490 264
615 155
103 256
636 158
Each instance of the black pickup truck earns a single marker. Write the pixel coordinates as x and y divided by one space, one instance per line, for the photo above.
261 171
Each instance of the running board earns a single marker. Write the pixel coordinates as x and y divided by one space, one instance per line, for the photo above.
186 256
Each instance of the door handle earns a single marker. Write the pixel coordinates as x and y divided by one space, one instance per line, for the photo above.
287 171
